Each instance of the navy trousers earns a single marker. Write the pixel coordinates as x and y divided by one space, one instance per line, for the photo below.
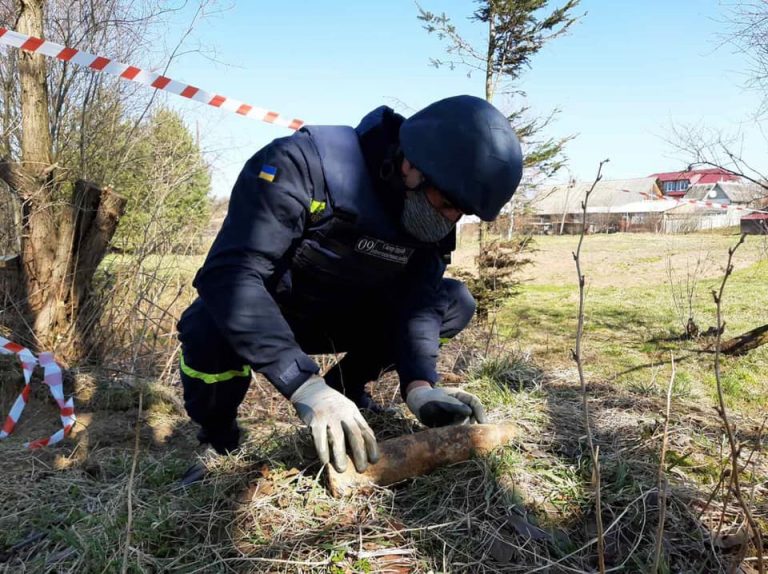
215 378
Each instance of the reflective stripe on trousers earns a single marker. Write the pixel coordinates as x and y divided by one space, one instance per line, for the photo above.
215 377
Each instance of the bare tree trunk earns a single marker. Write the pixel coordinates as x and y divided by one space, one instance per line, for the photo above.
36 145
66 227
489 58
36 178
482 227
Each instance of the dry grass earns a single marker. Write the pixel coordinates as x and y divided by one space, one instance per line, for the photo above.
526 508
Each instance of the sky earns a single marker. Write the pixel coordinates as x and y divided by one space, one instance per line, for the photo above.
623 76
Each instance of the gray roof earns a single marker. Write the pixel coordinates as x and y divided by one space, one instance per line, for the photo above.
746 192
737 192
608 195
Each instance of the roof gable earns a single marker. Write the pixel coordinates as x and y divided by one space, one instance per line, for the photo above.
733 191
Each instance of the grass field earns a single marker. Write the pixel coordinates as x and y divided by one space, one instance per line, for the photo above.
104 501
632 323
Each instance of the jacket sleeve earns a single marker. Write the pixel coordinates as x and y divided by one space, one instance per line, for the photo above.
267 211
420 320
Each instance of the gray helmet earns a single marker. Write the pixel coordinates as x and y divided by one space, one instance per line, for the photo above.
466 148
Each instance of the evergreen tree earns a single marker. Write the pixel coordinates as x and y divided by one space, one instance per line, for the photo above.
166 182
517 31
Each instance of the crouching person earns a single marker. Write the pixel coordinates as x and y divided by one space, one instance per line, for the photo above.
336 240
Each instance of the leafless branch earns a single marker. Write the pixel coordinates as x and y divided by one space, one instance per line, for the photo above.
712 148
733 443
662 481
577 357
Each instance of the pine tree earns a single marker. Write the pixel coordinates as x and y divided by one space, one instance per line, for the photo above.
167 184
517 31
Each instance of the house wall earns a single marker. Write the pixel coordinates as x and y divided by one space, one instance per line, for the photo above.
754 226
571 224
689 222
720 196
642 222
669 222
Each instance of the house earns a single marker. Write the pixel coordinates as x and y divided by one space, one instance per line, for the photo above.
742 193
755 224
614 205
676 183
638 205
690 217
607 195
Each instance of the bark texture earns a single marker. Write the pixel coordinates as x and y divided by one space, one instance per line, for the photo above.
66 226
746 342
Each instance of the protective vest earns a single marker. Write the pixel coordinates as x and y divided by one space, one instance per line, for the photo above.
354 249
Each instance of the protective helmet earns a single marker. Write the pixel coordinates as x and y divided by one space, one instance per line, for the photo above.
466 148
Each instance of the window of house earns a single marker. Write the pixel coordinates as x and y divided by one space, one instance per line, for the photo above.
678 185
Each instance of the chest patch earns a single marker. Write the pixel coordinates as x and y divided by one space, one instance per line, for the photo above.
383 250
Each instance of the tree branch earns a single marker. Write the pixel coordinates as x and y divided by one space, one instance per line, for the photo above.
577 357
735 447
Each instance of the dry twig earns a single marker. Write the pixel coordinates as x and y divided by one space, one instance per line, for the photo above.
735 447
576 354
662 477
131 477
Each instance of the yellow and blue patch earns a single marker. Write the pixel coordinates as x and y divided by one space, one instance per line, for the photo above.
268 172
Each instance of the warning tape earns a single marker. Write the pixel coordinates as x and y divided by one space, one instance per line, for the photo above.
134 74
700 202
51 378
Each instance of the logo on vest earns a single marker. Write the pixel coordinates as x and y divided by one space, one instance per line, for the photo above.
383 250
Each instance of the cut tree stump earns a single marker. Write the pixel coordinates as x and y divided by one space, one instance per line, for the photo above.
744 343
418 454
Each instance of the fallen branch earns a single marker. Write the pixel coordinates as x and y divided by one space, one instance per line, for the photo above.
418 454
746 342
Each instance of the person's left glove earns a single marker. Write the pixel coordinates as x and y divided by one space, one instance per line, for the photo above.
437 407
333 418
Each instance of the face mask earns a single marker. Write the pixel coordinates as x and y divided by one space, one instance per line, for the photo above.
421 220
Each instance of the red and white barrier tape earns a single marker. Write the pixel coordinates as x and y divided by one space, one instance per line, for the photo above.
52 378
134 74
699 202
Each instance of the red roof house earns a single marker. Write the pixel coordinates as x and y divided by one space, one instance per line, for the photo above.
676 183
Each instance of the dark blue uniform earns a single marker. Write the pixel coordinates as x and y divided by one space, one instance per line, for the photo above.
311 259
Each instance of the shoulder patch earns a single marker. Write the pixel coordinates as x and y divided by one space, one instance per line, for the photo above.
268 172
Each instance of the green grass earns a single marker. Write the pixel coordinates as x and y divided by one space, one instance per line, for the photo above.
629 331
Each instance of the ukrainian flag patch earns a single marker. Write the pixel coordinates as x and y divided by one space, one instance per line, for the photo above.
268 172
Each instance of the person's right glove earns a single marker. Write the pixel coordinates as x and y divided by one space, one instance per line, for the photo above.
437 407
333 417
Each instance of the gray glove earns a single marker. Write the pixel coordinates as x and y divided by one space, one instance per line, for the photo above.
437 407
333 417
